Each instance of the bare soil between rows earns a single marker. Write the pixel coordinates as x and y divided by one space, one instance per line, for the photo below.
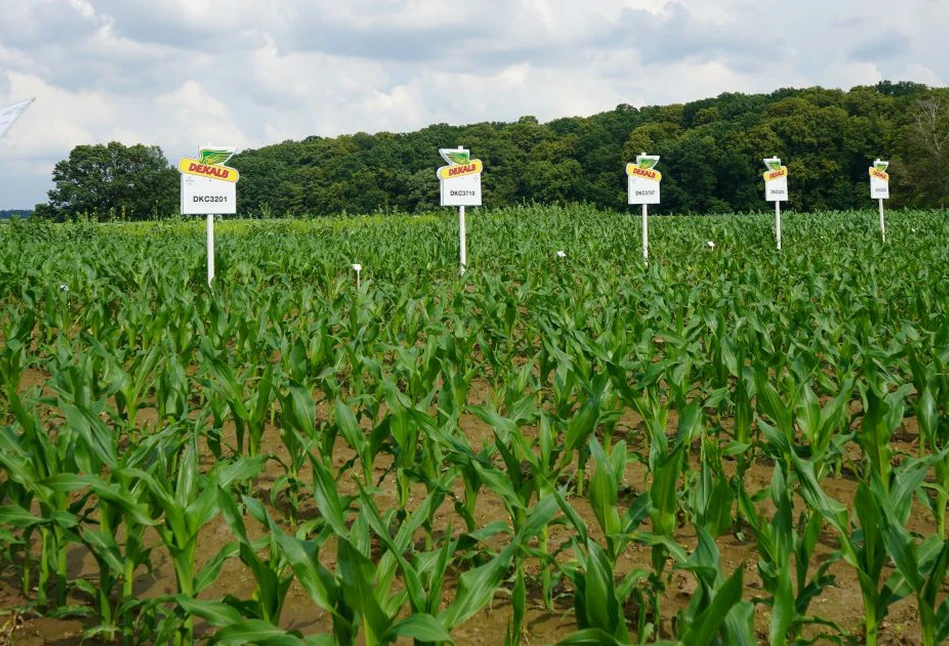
840 602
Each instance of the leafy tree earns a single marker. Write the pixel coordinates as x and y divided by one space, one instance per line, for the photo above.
711 159
113 181
926 159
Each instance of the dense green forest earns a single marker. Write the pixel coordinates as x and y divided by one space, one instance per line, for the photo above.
14 213
711 150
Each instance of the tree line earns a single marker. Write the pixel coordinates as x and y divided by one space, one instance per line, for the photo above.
8 214
711 151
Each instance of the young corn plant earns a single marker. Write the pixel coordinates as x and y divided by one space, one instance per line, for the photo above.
863 543
298 433
30 457
716 613
666 463
120 543
186 504
249 407
883 414
922 566
932 387
272 573
598 602
777 542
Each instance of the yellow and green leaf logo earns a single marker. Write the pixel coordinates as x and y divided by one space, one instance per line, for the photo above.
879 170
460 163
210 163
775 169
644 167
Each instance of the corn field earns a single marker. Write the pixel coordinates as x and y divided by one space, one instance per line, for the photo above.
730 445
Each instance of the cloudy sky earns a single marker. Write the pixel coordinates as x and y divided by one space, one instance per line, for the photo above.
179 73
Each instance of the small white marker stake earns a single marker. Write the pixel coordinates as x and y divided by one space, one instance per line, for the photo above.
358 269
210 249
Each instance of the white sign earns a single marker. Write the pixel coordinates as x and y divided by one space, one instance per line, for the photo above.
880 180
461 179
208 187
775 180
462 191
206 196
11 113
644 180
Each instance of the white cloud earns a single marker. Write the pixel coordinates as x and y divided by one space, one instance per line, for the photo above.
179 73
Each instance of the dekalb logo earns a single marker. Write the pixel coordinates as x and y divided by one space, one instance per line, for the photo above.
475 167
460 164
878 171
775 169
644 167
210 164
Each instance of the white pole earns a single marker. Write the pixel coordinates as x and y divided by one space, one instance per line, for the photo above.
462 236
645 234
777 221
210 249
882 221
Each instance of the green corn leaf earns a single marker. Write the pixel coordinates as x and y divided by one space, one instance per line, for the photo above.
217 614
604 489
104 547
420 627
592 637
357 576
476 588
255 631
209 572
320 585
16 516
707 625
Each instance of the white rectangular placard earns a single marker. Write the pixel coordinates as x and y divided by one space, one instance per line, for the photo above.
643 191
644 180
776 190
206 196
462 191
460 180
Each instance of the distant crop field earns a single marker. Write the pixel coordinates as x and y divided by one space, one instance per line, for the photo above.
729 445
